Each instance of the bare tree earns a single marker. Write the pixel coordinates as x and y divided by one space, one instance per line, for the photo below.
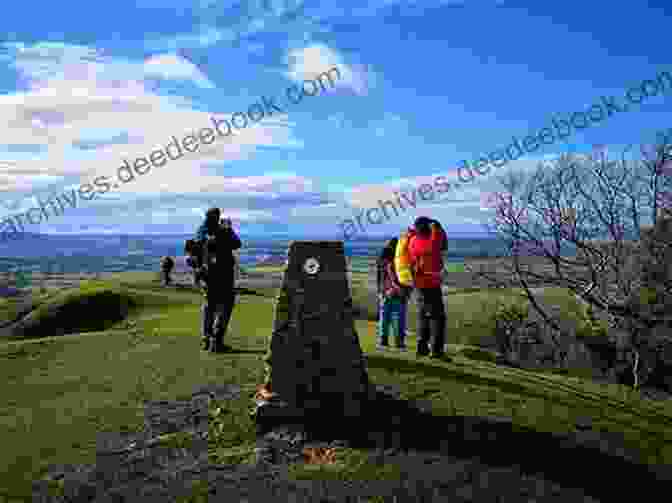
578 224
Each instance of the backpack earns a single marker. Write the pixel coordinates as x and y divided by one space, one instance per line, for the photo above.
209 252
402 261
194 252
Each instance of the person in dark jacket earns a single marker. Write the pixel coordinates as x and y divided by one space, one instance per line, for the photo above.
194 258
392 298
427 241
167 265
217 242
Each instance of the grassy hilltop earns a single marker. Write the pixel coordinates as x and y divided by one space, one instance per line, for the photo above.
86 359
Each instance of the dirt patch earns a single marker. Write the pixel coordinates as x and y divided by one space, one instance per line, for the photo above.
441 458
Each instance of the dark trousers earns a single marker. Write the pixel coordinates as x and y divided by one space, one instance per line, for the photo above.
215 317
165 277
431 321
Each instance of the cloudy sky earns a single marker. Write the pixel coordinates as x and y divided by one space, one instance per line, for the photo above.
424 84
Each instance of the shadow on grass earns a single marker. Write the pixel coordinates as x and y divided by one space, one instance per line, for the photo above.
515 388
235 351
190 287
392 423
248 291
182 286
419 367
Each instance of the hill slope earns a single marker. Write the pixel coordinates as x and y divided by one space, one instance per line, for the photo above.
60 393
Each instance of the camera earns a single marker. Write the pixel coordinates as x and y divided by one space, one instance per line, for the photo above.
225 223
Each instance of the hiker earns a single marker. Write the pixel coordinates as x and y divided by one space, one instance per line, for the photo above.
167 265
392 298
194 256
216 277
427 241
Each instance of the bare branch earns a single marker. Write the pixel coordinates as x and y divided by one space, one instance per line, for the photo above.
581 221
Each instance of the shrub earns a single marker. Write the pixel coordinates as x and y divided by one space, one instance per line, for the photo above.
89 308
589 325
510 312
509 318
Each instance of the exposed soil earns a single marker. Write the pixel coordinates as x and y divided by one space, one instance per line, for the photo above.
444 458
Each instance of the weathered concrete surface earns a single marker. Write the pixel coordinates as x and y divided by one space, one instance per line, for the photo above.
315 363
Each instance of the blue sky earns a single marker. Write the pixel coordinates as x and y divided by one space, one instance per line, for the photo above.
424 85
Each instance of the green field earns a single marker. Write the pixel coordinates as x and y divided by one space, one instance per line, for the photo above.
60 391
454 267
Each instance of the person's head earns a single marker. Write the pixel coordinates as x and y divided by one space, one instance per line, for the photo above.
212 217
389 249
423 226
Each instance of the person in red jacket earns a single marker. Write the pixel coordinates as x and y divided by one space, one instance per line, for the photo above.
427 241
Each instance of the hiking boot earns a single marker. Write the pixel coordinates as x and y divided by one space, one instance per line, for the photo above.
501 360
222 348
205 343
423 349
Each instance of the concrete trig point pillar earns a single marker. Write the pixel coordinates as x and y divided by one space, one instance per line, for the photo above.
314 362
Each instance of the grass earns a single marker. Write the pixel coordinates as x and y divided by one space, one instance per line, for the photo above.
12 308
60 391
266 269
454 267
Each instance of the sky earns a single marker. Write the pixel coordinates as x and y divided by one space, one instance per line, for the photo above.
422 86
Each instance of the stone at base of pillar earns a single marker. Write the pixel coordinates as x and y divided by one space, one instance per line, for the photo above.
270 411
269 414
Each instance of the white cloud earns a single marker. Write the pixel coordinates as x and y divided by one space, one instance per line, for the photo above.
366 196
309 62
173 66
75 91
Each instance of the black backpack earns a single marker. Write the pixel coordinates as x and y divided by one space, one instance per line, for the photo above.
209 253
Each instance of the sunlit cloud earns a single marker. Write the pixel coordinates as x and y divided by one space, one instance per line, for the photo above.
75 91
307 63
173 66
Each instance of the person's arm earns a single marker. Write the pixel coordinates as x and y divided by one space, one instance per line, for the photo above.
411 247
443 246
235 240
232 237
393 274
437 238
